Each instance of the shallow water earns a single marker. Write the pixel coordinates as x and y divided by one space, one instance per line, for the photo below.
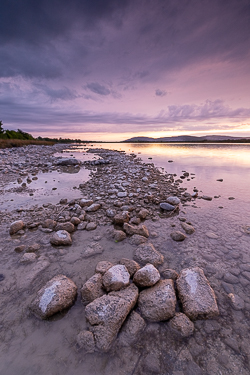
220 246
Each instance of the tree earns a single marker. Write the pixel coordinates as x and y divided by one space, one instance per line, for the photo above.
1 127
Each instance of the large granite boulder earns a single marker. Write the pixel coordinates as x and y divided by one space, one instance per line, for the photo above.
158 302
196 295
61 237
146 253
146 276
107 314
58 294
116 277
92 289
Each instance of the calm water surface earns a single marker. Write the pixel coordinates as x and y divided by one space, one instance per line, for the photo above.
209 162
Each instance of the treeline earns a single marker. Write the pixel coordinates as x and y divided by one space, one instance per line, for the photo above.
60 140
12 134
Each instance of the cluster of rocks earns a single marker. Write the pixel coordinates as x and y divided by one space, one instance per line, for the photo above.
134 294
122 191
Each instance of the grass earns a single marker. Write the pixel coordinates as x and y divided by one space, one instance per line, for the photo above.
8 143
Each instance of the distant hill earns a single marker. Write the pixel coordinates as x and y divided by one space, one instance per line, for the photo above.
187 138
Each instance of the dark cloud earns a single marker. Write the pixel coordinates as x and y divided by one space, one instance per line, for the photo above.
143 37
159 92
97 88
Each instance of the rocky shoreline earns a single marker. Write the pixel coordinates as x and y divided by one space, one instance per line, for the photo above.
128 215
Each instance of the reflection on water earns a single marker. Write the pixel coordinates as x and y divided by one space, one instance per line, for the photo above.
208 162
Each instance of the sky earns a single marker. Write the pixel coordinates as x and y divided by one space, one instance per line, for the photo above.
108 70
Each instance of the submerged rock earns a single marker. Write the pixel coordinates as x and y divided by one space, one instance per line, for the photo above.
131 329
61 237
146 253
93 207
141 230
107 314
182 325
86 341
197 296
177 236
58 294
189 229
158 302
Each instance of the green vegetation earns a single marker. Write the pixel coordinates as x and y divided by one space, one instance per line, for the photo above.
12 134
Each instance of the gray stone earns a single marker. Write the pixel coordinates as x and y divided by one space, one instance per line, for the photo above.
58 294
143 213
119 235
61 237
141 230
93 207
132 329
49 223
146 276
177 236
146 253
122 194
16 226
93 248
68 161
182 325
91 226
85 202
92 289
121 218
231 279
136 239
158 302
107 314
206 197
173 200
189 229
196 295
28 258
86 341
169 274
237 303
167 207
110 213
116 277
103 266
75 220
82 226
131 265
69 227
